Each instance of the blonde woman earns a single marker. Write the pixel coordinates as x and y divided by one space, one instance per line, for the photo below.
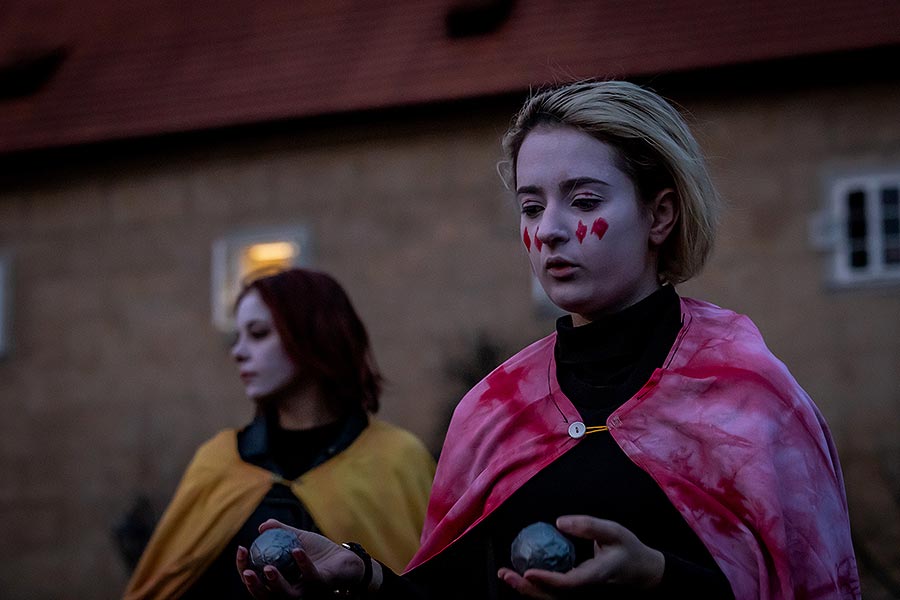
657 432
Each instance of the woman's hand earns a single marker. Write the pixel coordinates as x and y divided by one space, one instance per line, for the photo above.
620 559
323 564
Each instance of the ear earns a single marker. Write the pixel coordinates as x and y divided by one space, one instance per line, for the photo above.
664 212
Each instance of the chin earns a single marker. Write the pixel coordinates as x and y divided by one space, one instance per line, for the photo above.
262 395
571 303
272 394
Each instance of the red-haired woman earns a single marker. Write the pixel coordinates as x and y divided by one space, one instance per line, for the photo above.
313 457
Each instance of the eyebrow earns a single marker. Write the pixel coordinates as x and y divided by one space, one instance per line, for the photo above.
529 189
564 186
570 184
253 322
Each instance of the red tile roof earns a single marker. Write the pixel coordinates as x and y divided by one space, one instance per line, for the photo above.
138 68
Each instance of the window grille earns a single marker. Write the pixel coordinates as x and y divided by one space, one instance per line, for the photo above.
864 228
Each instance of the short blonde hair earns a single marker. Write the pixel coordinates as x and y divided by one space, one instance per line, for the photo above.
656 150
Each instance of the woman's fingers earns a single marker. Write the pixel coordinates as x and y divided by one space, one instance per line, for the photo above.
276 524
619 556
273 580
308 569
248 576
590 572
591 528
276 582
256 587
242 559
522 585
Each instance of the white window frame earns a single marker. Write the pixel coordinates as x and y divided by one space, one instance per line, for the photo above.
226 252
829 230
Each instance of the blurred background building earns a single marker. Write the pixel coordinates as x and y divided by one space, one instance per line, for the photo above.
152 152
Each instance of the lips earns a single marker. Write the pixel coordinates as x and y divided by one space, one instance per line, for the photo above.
247 376
559 267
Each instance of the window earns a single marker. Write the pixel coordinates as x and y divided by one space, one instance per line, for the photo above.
862 229
244 255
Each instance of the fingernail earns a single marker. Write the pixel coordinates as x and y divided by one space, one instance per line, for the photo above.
270 573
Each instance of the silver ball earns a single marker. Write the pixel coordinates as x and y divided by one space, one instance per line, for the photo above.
541 546
274 547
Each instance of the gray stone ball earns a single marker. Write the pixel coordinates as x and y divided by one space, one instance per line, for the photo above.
541 546
273 547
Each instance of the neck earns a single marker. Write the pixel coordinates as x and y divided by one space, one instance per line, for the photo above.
578 320
583 319
305 407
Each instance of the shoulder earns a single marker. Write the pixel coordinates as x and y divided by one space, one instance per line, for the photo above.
722 354
519 375
724 390
720 323
216 454
392 440
535 351
505 405
385 454
712 335
216 465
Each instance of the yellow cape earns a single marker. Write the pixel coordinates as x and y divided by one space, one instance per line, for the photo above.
375 492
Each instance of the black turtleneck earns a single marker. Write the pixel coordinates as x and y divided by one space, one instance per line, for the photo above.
599 367
602 364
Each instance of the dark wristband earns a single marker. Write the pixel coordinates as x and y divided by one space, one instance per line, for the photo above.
360 589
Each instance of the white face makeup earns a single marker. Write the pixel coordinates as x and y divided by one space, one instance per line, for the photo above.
262 361
587 234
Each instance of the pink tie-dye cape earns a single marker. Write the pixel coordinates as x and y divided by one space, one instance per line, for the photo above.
724 429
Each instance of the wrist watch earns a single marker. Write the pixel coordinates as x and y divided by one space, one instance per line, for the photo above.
360 589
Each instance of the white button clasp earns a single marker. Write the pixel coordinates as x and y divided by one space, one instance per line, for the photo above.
576 430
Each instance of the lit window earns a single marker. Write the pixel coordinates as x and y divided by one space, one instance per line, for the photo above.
242 256
861 229
267 256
